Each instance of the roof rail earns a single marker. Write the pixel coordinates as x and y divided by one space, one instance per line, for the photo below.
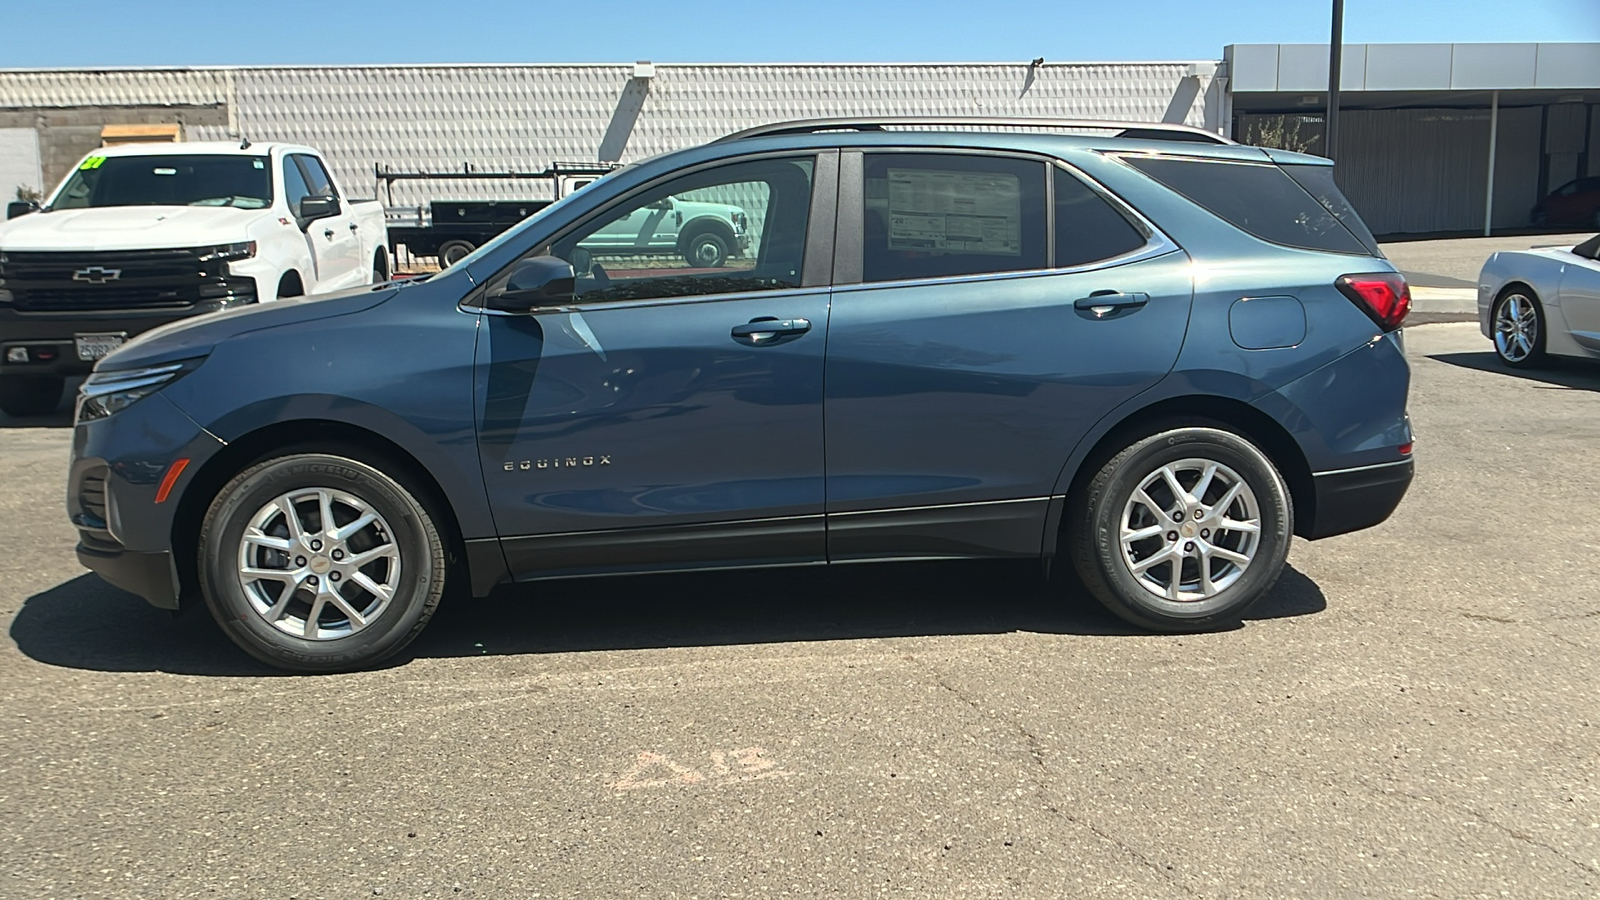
1159 131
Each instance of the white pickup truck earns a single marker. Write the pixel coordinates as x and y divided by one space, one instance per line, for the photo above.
142 234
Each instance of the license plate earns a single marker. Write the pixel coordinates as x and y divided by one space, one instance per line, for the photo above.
94 346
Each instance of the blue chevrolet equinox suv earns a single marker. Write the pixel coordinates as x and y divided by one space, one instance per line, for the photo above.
1140 354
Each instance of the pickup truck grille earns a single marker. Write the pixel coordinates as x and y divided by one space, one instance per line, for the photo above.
143 279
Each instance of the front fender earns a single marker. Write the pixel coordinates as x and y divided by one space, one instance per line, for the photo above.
415 354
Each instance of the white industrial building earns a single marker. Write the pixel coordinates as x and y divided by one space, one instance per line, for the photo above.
1414 139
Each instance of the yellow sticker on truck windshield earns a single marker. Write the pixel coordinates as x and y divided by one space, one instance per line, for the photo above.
92 162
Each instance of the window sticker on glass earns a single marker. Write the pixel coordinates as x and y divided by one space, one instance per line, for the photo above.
955 212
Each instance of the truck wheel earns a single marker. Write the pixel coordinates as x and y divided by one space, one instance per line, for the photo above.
316 562
452 252
380 267
706 250
30 395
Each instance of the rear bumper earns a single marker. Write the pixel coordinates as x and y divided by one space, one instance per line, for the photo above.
1354 499
50 336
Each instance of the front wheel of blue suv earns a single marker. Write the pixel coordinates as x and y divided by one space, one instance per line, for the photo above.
1183 530
317 562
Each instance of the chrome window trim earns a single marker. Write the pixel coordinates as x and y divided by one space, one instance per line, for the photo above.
1150 251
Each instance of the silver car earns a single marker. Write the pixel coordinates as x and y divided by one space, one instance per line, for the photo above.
1542 302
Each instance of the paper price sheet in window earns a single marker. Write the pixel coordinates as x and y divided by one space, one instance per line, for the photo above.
955 212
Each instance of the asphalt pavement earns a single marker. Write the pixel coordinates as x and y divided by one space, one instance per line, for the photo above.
1415 710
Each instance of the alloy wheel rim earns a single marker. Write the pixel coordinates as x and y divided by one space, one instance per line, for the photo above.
705 252
1190 531
1516 328
318 564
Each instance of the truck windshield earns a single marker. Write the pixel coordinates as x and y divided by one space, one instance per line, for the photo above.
178 180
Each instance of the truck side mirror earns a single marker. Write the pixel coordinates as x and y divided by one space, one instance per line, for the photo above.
21 208
663 203
535 282
313 208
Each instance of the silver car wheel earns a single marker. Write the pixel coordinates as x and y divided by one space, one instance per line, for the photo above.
1190 530
318 564
1516 328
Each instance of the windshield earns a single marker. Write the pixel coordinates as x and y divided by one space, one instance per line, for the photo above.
241 181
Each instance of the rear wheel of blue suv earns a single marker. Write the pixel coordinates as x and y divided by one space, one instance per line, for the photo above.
1148 359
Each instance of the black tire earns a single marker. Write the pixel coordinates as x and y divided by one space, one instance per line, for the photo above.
1507 347
705 250
290 286
1106 568
30 395
380 267
417 583
452 252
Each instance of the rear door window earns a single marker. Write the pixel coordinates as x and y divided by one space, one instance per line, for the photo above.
1088 228
1257 198
947 215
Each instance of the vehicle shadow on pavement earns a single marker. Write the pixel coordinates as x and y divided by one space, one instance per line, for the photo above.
60 418
1556 371
87 624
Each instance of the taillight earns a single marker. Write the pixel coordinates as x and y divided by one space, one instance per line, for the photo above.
1382 295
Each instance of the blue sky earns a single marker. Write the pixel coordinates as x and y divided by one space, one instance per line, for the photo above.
186 32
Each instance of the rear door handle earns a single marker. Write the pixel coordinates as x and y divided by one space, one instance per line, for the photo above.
354 226
767 329
1103 303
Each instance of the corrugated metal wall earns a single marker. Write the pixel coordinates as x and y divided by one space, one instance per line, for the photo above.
1390 159
524 117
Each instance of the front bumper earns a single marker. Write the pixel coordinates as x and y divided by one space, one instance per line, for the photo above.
152 575
1354 499
113 485
50 337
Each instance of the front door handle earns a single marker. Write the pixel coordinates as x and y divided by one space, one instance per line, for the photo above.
327 233
767 329
1103 303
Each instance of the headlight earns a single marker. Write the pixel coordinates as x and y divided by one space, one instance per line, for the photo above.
105 393
241 250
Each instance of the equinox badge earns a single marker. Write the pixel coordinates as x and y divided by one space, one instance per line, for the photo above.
560 462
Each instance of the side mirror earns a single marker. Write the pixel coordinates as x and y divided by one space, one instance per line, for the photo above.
21 208
663 203
535 282
312 208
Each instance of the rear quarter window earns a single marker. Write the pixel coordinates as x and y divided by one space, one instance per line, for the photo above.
1259 199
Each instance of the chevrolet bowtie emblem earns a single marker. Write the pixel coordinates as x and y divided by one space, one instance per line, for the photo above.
96 275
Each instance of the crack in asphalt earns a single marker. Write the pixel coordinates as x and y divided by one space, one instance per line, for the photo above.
1514 834
1036 751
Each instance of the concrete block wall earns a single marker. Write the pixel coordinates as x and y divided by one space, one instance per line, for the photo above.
67 133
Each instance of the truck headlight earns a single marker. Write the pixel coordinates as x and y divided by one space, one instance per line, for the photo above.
240 250
106 393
